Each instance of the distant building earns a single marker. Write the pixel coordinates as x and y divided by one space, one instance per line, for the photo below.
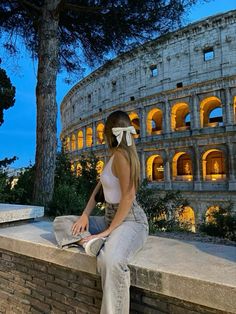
14 174
180 93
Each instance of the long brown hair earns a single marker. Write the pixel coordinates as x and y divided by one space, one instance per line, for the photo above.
121 119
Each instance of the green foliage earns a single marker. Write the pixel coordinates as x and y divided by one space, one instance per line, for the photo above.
71 192
162 212
222 223
7 93
22 192
5 182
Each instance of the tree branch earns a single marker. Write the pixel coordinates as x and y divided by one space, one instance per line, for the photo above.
80 8
28 4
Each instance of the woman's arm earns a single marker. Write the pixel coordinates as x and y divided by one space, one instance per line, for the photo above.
122 171
81 224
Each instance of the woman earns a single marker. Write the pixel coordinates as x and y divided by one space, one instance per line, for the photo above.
115 238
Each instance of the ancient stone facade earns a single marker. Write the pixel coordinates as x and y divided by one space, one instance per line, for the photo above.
180 93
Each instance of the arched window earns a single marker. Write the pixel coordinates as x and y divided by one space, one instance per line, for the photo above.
155 168
211 112
99 167
182 167
154 121
73 142
100 136
89 137
209 213
214 165
80 140
180 117
135 122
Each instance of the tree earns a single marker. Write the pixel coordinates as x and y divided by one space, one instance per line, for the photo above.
7 93
63 33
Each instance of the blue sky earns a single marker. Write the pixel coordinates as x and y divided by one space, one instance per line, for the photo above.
17 134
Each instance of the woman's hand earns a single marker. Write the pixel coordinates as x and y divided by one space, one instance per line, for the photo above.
80 225
103 234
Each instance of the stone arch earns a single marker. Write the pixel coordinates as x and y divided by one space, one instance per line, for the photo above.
155 168
182 167
80 139
68 143
209 213
179 113
73 142
134 118
214 165
211 112
154 121
100 135
89 137
187 218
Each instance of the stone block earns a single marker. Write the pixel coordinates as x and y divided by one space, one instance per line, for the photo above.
10 212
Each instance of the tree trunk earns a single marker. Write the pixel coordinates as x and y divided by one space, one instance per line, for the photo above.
46 140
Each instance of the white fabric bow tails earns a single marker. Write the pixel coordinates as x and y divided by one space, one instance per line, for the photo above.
118 132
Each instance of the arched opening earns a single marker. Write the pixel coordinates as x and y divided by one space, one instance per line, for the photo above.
187 219
154 121
135 122
209 214
78 169
68 143
89 137
73 142
182 167
155 168
80 139
100 135
214 165
180 117
99 167
211 112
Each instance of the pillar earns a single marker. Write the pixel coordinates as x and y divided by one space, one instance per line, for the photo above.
167 114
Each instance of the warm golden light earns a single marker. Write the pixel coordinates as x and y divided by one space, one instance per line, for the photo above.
154 121
100 136
182 168
207 105
89 137
213 163
135 122
155 168
73 142
80 140
187 219
99 167
209 213
178 114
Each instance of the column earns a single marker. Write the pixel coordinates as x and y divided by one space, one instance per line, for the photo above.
94 136
197 168
167 171
195 112
228 104
142 117
167 114
142 165
231 166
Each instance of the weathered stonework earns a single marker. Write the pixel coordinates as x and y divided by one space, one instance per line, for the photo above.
10 213
171 87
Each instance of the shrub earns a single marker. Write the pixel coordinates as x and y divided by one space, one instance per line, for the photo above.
222 223
162 212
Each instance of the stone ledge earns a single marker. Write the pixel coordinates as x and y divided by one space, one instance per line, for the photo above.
201 273
10 212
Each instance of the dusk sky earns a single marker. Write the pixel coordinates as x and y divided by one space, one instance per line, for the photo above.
17 134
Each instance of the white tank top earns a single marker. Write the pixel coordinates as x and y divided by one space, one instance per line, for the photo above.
110 184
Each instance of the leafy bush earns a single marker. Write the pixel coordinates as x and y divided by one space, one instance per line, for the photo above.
222 223
72 192
162 212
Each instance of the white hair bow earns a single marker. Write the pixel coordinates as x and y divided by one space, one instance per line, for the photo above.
118 132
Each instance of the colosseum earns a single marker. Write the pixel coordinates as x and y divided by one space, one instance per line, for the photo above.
180 93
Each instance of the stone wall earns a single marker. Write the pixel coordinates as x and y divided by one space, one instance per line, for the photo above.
29 285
